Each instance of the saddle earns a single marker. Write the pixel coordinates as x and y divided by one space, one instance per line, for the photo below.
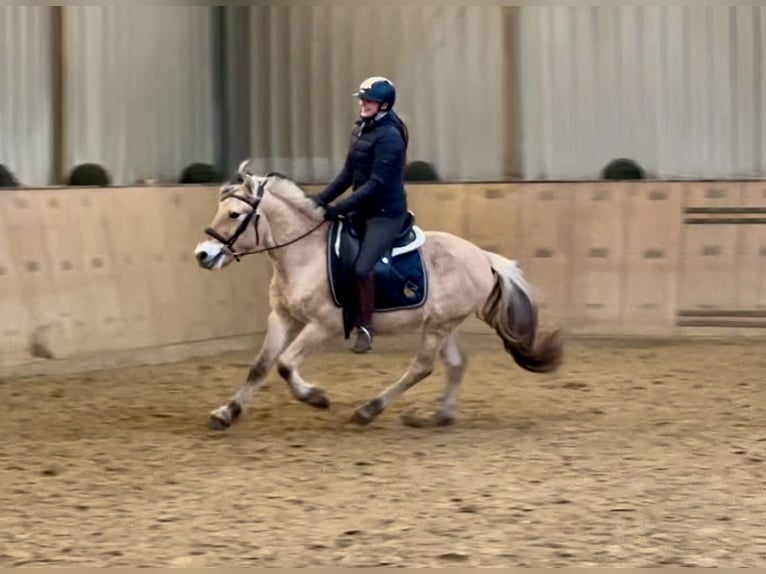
400 275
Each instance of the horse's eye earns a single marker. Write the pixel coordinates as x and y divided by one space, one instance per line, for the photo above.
233 215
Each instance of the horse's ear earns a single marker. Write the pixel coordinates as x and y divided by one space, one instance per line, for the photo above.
243 168
248 183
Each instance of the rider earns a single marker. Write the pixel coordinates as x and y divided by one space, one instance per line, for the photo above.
374 167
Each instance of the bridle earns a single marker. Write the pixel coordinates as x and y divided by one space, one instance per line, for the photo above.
229 243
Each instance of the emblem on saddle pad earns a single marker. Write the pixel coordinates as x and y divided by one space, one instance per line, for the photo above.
401 281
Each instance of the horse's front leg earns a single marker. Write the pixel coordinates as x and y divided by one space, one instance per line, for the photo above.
281 331
309 339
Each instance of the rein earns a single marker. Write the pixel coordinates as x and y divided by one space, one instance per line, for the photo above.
229 243
242 254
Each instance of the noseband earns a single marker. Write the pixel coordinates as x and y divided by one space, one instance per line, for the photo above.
229 243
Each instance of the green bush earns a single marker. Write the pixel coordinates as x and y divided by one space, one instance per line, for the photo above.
7 178
89 174
621 169
200 173
420 171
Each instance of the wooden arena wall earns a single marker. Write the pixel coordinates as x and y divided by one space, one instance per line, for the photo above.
85 272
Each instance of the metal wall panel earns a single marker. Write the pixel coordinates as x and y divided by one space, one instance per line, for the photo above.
307 61
679 89
25 93
139 89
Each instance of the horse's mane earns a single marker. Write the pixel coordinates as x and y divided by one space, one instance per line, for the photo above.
279 185
290 191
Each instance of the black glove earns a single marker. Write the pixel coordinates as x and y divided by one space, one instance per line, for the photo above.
332 213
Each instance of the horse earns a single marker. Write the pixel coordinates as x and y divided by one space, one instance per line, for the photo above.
272 214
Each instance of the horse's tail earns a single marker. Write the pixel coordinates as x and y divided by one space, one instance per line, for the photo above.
509 310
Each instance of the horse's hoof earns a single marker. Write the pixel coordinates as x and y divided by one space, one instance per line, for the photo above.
317 399
366 414
360 418
223 417
443 420
435 420
217 423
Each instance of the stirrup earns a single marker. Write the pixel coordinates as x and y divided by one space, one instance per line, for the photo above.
363 340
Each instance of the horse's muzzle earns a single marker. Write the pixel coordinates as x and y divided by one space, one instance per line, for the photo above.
209 255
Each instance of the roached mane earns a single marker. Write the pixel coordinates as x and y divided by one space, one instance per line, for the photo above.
279 185
284 187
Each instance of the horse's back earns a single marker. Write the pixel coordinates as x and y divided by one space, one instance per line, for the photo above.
444 241
454 263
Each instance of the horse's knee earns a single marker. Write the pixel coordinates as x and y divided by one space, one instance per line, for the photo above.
423 369
258 371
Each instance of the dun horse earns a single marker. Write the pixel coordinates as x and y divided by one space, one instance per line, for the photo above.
431 281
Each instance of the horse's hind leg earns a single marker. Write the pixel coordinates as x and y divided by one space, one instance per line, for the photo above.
281 331
456 363
421 367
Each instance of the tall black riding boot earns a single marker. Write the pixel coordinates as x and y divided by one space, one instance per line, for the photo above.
365 290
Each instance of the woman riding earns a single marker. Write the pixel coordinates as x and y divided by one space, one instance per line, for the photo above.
374 168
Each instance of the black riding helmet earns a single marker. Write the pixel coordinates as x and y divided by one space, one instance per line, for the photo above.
378 89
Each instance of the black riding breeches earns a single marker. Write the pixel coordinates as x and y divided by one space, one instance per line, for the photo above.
379 235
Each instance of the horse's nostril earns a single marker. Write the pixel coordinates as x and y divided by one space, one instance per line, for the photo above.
201 256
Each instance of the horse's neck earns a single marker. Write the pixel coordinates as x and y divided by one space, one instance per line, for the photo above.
291 256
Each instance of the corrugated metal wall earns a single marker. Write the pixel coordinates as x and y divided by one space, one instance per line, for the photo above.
25 93
139 89
307 61
679 89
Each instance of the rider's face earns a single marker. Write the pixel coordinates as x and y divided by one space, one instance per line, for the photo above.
368 109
